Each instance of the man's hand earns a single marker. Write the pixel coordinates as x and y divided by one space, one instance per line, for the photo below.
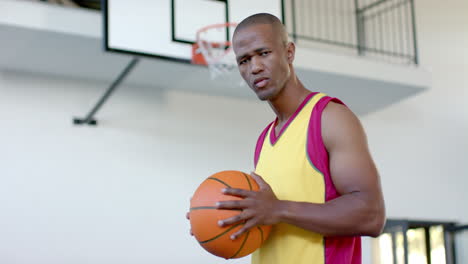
258 207
188 218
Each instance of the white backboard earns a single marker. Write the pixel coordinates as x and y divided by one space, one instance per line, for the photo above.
167 28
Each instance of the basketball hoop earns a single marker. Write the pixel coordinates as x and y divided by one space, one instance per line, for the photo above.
214 49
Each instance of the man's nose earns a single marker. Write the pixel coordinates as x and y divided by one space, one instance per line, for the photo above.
256 66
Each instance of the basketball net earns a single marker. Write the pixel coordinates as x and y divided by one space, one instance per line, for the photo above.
213 48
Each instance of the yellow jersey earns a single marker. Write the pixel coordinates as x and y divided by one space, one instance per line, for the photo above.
295 164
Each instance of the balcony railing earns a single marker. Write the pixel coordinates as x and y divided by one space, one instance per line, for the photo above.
382 29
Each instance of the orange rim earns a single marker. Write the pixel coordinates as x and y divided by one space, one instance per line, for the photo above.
197 57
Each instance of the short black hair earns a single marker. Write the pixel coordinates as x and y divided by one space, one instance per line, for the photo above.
264 18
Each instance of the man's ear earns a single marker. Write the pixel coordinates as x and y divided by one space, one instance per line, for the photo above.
290 51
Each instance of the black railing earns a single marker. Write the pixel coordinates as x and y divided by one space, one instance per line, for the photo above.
383 29
92 4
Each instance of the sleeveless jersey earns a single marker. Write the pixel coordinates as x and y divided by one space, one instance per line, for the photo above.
295 164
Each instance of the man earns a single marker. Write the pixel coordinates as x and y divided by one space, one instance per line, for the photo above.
319 186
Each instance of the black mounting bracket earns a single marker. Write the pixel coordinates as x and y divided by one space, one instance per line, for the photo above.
89 120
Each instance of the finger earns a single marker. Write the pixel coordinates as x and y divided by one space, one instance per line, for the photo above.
251 223
259 180
188 217
237 204
235 219
237 192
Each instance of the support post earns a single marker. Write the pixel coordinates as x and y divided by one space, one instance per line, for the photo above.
89 120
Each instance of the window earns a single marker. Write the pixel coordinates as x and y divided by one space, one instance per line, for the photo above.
419 242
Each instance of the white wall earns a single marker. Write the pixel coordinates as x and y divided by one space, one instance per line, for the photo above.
421 144
117 193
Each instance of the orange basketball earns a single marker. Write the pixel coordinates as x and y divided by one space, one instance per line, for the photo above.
204 217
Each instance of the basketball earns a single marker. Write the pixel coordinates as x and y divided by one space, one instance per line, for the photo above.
204 217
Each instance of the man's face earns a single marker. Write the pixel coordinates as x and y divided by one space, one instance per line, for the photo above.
262 59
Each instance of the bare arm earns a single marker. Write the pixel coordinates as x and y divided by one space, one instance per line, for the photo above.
360 208
358 211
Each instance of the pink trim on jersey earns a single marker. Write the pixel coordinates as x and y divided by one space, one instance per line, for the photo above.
338 250
258 147
316 150
273 137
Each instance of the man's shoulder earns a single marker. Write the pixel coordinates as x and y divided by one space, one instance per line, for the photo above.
337 109
339 120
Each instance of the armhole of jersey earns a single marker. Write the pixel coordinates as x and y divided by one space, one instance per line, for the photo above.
316 150
336 249
258 147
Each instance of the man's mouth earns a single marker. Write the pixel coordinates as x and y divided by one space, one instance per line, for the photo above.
261 82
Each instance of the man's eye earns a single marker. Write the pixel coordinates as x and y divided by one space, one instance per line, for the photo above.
264 53
242 61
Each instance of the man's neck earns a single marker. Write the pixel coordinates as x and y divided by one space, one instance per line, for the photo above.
290 98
